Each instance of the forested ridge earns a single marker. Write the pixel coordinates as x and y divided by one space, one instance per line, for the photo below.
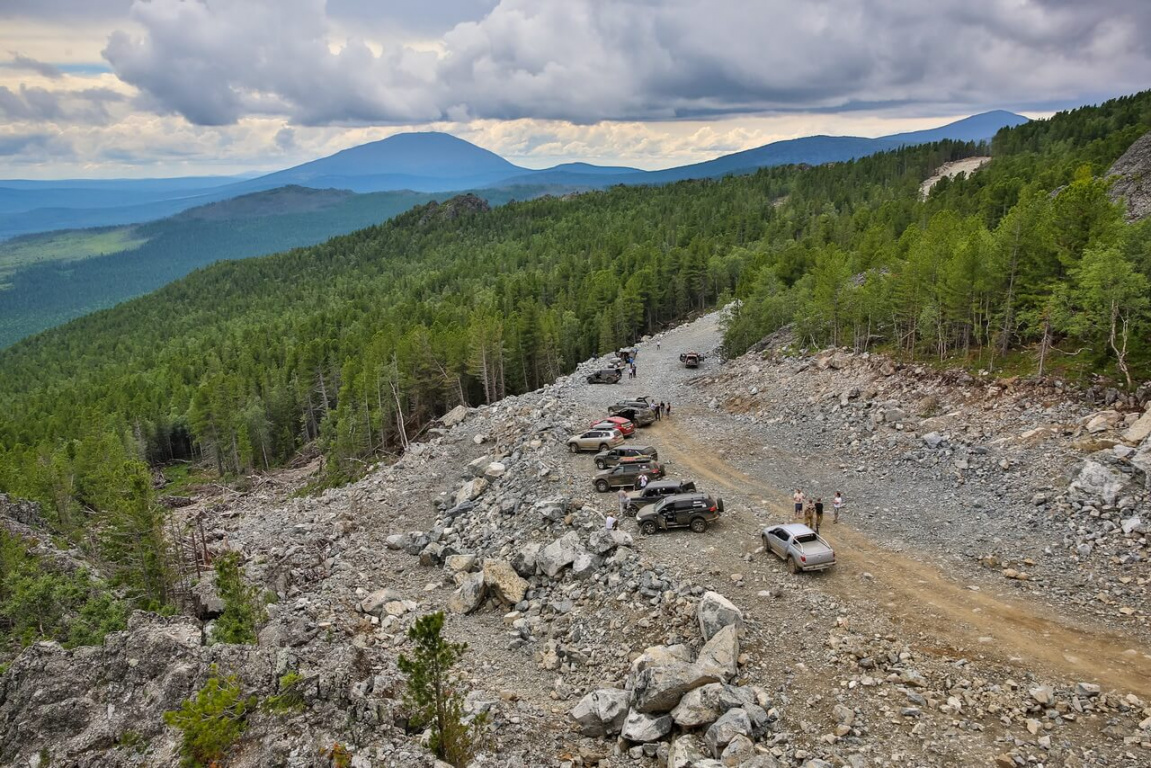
357 344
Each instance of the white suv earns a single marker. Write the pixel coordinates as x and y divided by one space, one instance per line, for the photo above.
595 440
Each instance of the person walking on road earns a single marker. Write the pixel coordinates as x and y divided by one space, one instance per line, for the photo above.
797 497
657 345
836 506
818 513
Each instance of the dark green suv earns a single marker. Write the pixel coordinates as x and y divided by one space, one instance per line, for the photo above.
626 474
686 510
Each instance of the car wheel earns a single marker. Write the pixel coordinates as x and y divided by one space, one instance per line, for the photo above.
573 447
792 566
600 465
655 456
763 541
601 486
603 446
698 524
648 528
591 379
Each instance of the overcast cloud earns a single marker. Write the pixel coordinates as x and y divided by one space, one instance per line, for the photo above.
600 80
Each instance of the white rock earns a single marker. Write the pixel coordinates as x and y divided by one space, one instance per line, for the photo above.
715 612
642 728
602 712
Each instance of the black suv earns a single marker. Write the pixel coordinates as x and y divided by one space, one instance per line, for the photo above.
642 497
625 474
612 456
687 510
605 376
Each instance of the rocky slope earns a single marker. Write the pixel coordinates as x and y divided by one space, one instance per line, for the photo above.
1131 179
990 604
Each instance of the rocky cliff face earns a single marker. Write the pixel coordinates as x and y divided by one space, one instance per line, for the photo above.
1132 174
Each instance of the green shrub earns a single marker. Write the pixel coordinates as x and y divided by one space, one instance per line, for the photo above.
290 698
432 695
212 721
242 609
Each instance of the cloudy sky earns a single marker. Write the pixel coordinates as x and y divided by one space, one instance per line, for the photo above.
92 88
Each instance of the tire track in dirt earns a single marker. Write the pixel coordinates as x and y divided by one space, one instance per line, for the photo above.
918 595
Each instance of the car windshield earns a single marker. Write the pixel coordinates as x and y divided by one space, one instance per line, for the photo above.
806 538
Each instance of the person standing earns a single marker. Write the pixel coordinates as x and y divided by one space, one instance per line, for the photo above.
658 409
809 515
667 409
818 513
797 497
836 506
642 482
657 345
622 502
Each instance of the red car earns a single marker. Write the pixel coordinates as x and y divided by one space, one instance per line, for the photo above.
626 428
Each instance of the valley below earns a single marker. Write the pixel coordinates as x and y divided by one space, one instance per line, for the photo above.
990 604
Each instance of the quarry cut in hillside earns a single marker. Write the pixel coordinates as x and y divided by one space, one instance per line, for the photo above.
990 605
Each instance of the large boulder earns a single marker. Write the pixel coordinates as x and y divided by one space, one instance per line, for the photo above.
715 612
719 656
206 600
454 416
503 581
603 541
470 594
559 554
734 722
585 565
659 689
471 490
699 707
1104 478
642 728
687 751
460 563
524 561
662 654
1140 430
374 603
602 712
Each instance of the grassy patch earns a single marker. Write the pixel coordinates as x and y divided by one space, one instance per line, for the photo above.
64 247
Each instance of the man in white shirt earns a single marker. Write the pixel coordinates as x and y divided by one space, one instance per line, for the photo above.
610 523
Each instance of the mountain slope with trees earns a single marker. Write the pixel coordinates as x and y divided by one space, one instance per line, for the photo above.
356 345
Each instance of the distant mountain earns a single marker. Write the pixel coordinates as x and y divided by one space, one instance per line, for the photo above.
422 162
817 150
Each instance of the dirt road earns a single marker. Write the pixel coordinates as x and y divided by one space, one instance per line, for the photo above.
964 618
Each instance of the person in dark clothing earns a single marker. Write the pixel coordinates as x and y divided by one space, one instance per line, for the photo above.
667 409
818 513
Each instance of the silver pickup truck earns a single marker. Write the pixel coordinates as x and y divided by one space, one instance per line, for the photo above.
801 547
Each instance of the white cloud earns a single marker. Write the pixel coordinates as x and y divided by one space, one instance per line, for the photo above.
585 61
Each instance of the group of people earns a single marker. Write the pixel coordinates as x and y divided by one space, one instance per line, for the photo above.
811 510
661 409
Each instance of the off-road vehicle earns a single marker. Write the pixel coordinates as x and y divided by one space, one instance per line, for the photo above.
605 376
625 426
638 412
595 440
612 456
626 473
691 359
655 491
687 510
800 547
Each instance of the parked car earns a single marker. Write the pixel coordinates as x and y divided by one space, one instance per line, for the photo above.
605 376
612 456
595 440
617 363
685 510
801 547
626 474
691 359
656 491
639 412
626 426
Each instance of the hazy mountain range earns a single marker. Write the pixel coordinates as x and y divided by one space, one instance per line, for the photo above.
418 162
